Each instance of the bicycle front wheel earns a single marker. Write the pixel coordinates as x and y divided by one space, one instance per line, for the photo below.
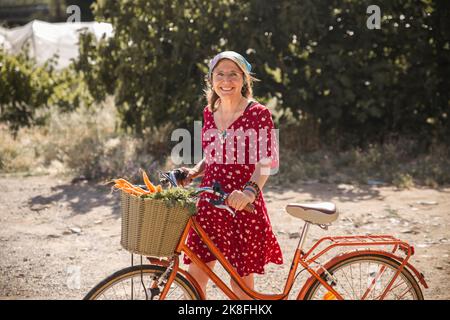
366 277
132 283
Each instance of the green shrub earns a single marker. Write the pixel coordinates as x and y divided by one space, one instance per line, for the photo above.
403 180
393 163
83 142
318 58
27 89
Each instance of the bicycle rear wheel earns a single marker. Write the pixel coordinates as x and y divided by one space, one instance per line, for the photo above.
365 277
132 283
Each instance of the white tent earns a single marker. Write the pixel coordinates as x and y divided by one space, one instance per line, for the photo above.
46 39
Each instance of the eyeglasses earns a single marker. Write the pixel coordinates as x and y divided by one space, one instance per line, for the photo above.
232 76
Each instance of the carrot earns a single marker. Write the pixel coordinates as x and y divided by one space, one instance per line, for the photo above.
140 190
116 186
132 191
159 188
123 182
148 183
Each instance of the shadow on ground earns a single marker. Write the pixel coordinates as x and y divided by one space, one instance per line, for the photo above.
326 192
81 197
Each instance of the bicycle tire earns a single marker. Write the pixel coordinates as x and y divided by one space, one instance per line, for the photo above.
135 271
374 258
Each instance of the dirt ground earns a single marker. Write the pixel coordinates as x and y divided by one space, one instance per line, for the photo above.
58 239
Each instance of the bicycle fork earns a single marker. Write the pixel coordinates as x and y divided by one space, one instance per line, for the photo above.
157 282
163 280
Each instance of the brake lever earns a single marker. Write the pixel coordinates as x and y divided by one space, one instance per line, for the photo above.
223 197
218 203
167 179
223 206
204 189
172 177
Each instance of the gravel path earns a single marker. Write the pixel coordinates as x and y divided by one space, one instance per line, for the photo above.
58 239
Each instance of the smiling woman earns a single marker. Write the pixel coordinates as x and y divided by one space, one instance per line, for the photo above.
247 240
234 67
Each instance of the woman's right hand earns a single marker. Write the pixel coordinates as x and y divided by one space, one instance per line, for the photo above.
190 175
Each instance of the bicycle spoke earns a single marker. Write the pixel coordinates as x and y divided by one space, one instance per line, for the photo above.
398 285
341 287
350 283
351 277
374 275
393 288
171 290
179 296
115 293
408 289
360 280
375 282
135 286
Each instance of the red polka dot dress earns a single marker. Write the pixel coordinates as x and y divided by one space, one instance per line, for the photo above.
246 240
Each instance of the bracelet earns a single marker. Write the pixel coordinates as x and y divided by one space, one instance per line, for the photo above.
253 185
251 190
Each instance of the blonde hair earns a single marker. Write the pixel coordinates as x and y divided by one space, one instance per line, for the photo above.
212 97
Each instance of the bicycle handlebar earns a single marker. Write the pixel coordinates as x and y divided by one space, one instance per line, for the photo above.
218 203
221 203
174 177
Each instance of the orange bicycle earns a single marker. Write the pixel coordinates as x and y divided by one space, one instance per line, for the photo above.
365 271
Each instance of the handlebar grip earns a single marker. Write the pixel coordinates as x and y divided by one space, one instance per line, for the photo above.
180 175
250 208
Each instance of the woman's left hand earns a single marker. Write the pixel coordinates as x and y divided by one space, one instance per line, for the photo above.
239 199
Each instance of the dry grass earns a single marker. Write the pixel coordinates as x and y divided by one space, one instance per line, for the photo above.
379 164
88 143
82 143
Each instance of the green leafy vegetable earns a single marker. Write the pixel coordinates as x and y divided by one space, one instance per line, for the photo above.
184 197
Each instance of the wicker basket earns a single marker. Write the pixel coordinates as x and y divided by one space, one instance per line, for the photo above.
150 227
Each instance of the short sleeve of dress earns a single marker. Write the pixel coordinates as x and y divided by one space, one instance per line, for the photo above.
267 140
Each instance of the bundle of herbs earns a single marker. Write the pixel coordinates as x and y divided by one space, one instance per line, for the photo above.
184 197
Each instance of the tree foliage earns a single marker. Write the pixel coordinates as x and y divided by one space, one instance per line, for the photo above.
155 63
318 58
26 88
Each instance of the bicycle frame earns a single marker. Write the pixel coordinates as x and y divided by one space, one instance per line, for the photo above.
300 258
